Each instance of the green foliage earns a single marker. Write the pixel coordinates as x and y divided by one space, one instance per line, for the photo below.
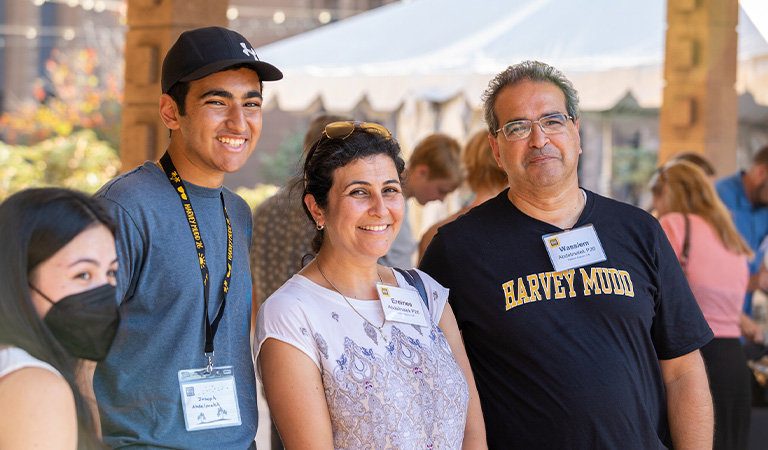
632 168
258 194
280 167
77 161
78 95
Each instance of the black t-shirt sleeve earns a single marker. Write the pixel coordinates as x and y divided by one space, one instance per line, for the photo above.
436 264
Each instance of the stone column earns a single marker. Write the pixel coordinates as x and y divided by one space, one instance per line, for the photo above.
153 26
699 112
20 63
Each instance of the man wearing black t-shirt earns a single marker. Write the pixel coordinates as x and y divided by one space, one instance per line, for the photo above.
577 318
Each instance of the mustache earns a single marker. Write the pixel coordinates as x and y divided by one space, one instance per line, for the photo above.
547 150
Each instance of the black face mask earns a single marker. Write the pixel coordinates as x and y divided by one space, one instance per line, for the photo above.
85 323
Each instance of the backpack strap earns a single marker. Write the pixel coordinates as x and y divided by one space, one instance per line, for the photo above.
413 278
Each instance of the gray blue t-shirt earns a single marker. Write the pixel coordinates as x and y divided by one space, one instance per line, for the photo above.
162 329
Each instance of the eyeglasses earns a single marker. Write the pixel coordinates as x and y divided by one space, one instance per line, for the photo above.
342 130
521 129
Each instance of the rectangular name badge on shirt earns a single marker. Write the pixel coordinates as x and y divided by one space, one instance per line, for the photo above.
402 305
574 248
209 398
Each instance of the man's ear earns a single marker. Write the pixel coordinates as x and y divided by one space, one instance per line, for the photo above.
578 135
169 112
314 209
495 148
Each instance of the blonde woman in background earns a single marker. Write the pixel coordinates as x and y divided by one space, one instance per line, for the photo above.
484 177
714 257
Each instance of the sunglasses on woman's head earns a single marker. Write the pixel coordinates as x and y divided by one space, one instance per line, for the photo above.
342 130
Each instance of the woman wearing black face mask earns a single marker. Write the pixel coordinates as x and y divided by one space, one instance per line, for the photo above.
57 304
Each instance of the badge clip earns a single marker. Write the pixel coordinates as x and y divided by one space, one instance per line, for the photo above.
209 367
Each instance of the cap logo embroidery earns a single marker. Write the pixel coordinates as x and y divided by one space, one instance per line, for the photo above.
249 51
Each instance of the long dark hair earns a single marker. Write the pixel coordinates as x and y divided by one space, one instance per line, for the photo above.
326 155
34 225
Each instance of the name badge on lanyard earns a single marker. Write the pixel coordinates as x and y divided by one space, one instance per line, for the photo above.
208 395
209 398
402 305
577 247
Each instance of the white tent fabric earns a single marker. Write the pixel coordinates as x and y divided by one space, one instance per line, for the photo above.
436 50
426 63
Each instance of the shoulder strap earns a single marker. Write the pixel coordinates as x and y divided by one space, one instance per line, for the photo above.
686 243
413 278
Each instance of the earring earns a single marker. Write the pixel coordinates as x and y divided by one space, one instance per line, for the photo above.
320 227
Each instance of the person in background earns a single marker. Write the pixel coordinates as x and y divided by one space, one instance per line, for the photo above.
714 257
434 171
693 158
282 237
57 303
183 240
749 329
745 194
337 372
484 177
579 324
699 161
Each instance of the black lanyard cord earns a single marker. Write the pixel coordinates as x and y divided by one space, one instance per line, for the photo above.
178 184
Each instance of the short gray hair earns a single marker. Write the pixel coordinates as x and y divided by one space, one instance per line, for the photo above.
527 71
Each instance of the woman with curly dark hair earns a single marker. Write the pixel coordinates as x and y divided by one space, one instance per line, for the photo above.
350 356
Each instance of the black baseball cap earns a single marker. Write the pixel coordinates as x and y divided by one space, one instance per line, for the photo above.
203 51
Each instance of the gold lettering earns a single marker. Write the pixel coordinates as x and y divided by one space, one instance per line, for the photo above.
533 286
569 278
628 289
229 240
559 291
605 277
509 294
522 296
618 289
544 277
590 282
190 213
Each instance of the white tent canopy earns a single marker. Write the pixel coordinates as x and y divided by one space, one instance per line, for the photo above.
436 50
426 63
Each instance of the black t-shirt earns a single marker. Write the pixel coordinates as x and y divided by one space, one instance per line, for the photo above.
569 359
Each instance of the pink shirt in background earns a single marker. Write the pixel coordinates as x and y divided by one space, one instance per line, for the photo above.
717 276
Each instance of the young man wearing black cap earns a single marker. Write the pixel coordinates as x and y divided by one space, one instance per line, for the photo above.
179 374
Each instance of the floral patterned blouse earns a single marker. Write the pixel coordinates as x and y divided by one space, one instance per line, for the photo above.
402 392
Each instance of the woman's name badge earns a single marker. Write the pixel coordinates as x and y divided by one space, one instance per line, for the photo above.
209 398
574 248
402 305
